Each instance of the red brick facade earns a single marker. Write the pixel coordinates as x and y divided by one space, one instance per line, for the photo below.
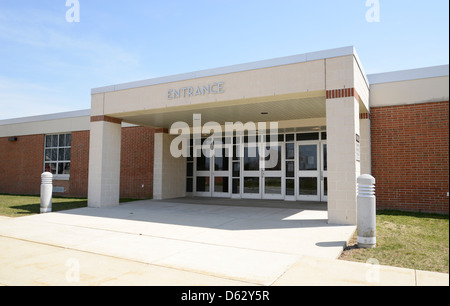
23 161
21 164
410 156
136 166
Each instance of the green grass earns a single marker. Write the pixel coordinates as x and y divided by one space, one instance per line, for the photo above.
21 205
408 240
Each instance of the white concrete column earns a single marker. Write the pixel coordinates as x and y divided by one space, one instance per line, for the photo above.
366 144
104 162
169 176
343 126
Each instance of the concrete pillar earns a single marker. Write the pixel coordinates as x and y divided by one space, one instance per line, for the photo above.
343 133
169 177
366 144
104 162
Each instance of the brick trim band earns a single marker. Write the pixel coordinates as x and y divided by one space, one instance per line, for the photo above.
364 116
342 93
162 131
106 119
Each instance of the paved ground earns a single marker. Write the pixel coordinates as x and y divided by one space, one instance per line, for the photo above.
183 243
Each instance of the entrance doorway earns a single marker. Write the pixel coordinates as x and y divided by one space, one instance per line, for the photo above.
294 169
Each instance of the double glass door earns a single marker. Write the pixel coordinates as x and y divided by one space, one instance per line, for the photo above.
291 170
213 169
263 173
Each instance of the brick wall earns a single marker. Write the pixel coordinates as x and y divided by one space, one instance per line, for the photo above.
23 161
79 165
21 165
410 157
136 166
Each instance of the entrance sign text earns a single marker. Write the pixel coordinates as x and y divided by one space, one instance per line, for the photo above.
185 92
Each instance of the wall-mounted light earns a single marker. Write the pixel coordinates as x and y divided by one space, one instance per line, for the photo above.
13 139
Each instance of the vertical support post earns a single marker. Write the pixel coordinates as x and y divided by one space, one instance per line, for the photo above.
367 222
46 192
169 173
104 162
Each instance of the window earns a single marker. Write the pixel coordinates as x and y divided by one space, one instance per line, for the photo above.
58 154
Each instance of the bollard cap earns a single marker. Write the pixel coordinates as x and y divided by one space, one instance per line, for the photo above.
47 178
366 179
47 175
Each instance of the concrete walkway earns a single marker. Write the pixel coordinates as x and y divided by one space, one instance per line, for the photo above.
173 243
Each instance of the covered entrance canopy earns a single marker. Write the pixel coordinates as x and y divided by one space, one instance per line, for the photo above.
323 93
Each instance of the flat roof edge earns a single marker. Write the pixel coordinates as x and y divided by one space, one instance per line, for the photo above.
65 115
408 75
281 61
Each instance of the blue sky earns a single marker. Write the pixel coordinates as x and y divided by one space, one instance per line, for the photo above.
49 65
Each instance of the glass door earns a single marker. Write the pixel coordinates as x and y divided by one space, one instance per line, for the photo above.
308 171
272 172
202 180
221 177
251 174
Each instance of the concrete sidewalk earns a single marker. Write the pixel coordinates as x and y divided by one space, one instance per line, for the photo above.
173 244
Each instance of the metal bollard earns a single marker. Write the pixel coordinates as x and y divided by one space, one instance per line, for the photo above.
46 192
367 212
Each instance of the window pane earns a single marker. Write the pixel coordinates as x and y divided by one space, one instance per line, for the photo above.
191 154
308 157
236 186
67 154
307 136
55 141
236 169
290 148
251 185
66 168
48 155
236 153
60 168
62 140
54 155
202 184
325 158
273 161
68 140
290 167
272 185
203 163
61 155
50 167
221 163
308 186
290 187
325 186
290 137
189 185
48 141
251 159
190 169
221 184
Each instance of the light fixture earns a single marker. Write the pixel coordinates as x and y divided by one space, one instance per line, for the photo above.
264 113
13 139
